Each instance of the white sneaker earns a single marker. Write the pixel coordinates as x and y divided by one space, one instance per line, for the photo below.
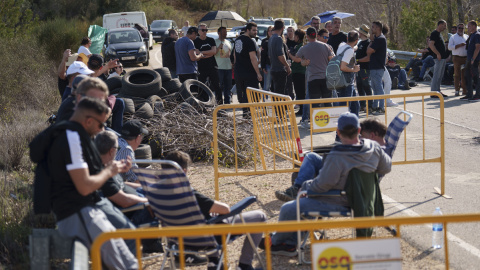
305 124
391 103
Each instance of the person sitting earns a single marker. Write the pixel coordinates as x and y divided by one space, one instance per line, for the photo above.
398 75
67 60
371 129
354 152
74 69
116 71
209 206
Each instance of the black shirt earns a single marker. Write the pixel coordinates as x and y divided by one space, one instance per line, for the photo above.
378 58
291 44
168 54
204 203
335 40
66 109
243 65
362 47
264 54
205 45
62 84
394 72
439 44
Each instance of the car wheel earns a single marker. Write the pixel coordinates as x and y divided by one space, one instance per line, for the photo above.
148 60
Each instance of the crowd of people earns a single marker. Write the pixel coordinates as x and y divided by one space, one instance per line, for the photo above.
91 168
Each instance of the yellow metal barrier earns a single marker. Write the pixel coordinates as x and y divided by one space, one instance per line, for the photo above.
266 228
275 133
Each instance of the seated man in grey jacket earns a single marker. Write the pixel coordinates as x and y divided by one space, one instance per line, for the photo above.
363 154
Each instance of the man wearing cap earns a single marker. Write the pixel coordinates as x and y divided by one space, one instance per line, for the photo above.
186 56
363 154
318 54
131 137
75 69
67 59
363 76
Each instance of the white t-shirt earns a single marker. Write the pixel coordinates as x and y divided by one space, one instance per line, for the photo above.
185 29
223 61
347 56
84 50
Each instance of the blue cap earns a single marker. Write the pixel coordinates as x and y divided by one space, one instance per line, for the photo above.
347 119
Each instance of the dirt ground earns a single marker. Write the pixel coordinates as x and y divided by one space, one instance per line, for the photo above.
233 189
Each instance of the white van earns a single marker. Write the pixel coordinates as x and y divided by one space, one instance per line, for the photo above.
127 19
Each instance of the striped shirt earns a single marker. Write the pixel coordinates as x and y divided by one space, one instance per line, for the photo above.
124 151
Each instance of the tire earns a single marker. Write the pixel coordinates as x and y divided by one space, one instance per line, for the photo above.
144 111
163 92
114 83
115 91
204 96
143 152
156 147
172 86
138 101
129 106
142 83
157 104
164 73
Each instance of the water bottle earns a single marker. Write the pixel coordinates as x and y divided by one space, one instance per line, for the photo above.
437 231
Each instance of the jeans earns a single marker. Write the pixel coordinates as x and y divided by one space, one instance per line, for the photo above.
427 63
402 79
311 165
289 212
471 76
279 79
117 115
349 91
376 76
306 107
414 64
212 74
225 77
363 86
438 74
267 79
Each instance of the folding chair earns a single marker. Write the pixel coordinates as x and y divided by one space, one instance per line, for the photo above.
364 197
394 130
172 200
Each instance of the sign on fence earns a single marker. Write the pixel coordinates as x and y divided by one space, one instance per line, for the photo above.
326 117
378 254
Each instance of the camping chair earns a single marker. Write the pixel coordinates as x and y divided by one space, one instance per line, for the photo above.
172 200
362 191
394 130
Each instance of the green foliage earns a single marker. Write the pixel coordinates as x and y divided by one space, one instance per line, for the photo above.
16 18
418 20
160 11
199 5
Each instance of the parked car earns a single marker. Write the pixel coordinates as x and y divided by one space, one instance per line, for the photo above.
160 29
262 20
127 20
127 45
288 22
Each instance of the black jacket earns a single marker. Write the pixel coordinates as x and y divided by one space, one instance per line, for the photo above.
168 53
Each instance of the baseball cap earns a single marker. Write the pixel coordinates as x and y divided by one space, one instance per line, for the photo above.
311 32
77 80
79 67
132 129
72 58
95 61
347 119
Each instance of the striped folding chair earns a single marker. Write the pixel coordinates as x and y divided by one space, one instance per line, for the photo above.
173 202
394 130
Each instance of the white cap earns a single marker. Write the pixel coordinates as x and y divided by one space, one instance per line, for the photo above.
79 67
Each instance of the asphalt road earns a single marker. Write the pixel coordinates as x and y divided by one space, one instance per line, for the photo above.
408 189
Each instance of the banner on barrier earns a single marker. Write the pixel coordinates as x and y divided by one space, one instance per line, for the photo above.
326 117
378 254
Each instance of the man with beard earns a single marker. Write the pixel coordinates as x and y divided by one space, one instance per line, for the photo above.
168 52
336 37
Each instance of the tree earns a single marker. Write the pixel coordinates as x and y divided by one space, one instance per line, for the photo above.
418 19
16 18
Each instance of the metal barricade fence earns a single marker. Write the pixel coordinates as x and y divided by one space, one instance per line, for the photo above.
266 228
276 135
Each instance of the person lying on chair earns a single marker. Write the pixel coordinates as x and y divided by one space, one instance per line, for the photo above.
363 154
209 206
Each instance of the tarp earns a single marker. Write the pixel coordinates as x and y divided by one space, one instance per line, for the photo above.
97 35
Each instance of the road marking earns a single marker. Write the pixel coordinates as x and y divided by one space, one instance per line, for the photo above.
159 59
473 250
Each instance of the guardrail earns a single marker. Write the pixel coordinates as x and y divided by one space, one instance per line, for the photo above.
288 124
402 55
266 228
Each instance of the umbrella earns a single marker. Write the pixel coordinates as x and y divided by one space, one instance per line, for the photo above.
328 16
229 19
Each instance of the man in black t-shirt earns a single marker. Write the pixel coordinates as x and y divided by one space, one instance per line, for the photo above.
437 45
363 76
207 66
247 73
168 52
336 37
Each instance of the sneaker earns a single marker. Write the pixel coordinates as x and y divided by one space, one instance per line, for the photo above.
305 124
192 259
391 103
474 99
152 246
395 83
407 86
287 195
457 93
282 249
380 111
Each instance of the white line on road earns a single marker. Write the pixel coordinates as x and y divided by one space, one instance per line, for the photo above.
159 59
473 250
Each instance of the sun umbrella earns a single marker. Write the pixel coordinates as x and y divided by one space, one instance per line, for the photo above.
328 16
229 19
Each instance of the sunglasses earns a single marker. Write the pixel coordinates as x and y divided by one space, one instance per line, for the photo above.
204 30
325 37
119 67
100 123
460 28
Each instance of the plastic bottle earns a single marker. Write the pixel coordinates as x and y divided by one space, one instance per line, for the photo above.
437 231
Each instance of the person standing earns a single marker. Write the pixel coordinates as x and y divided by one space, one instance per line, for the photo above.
186 57
207 66
224 47
437 45
457 44
168 52
265 61
363 76
349 69
247 73
298 71
473 59
328 25
277 54
185 28
336 37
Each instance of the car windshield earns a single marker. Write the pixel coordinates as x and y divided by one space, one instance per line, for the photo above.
287 22
262 31
268 22
124 37
161 24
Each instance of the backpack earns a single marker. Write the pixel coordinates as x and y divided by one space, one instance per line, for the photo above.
335 77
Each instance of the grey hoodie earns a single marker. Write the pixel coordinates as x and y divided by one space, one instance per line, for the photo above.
367 157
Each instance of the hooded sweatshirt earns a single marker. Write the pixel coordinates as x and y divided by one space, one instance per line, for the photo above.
368 157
